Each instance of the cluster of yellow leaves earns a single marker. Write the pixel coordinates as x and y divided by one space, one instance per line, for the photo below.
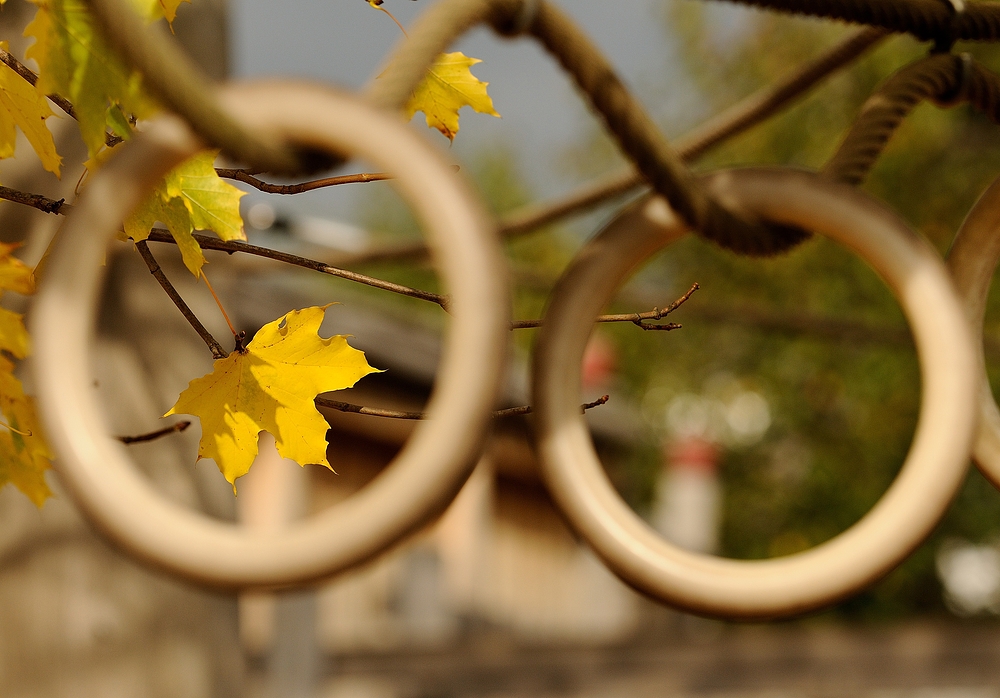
24 456
270 386
448 87
22 106
272 382
74 62
191 197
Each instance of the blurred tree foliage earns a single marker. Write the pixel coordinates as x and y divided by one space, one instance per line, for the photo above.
814 331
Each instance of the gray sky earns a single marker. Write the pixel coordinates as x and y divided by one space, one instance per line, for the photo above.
344 42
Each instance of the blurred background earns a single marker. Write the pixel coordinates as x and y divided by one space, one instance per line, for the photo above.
771 422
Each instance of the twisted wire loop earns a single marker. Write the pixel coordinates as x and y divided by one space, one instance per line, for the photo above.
759 589
179 84
624 116
924 19
945 79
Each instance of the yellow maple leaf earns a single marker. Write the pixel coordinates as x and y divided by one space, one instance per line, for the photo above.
24 454
22 106
18 468
448 87
270 386
192 196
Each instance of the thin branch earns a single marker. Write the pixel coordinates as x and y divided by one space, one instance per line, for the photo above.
527 409
399 414
141 438
247 178
154 269
207 242
31 77
211 243
42 203
638 319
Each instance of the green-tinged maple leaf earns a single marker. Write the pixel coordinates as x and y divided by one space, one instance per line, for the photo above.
18 468
24 455
75 62
23 107
191 196
270 386
448 87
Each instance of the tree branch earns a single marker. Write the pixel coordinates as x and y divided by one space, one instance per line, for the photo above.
42 203
210 243
399 414
247 177
141 438
638 319
207 242
154 269
31 77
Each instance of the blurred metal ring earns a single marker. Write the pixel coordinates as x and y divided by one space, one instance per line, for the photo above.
972 261
903 517
433 464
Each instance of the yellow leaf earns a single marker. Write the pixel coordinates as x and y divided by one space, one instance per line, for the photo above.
192 196
23 106
448 87
73 61
15 275
270 386
170 8
18 468
24 455
13 336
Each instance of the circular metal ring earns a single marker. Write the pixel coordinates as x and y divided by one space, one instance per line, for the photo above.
972 261
433 464
930 476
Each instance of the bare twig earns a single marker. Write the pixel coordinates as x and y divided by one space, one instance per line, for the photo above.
399 414
210 243
248 178
141 438
42 203
30 76
527 409
638 319
154 269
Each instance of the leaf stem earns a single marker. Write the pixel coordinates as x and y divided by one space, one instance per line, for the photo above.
378 6
16 431
219 303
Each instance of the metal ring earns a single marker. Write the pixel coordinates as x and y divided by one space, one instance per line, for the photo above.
904 516
972 261
433 464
